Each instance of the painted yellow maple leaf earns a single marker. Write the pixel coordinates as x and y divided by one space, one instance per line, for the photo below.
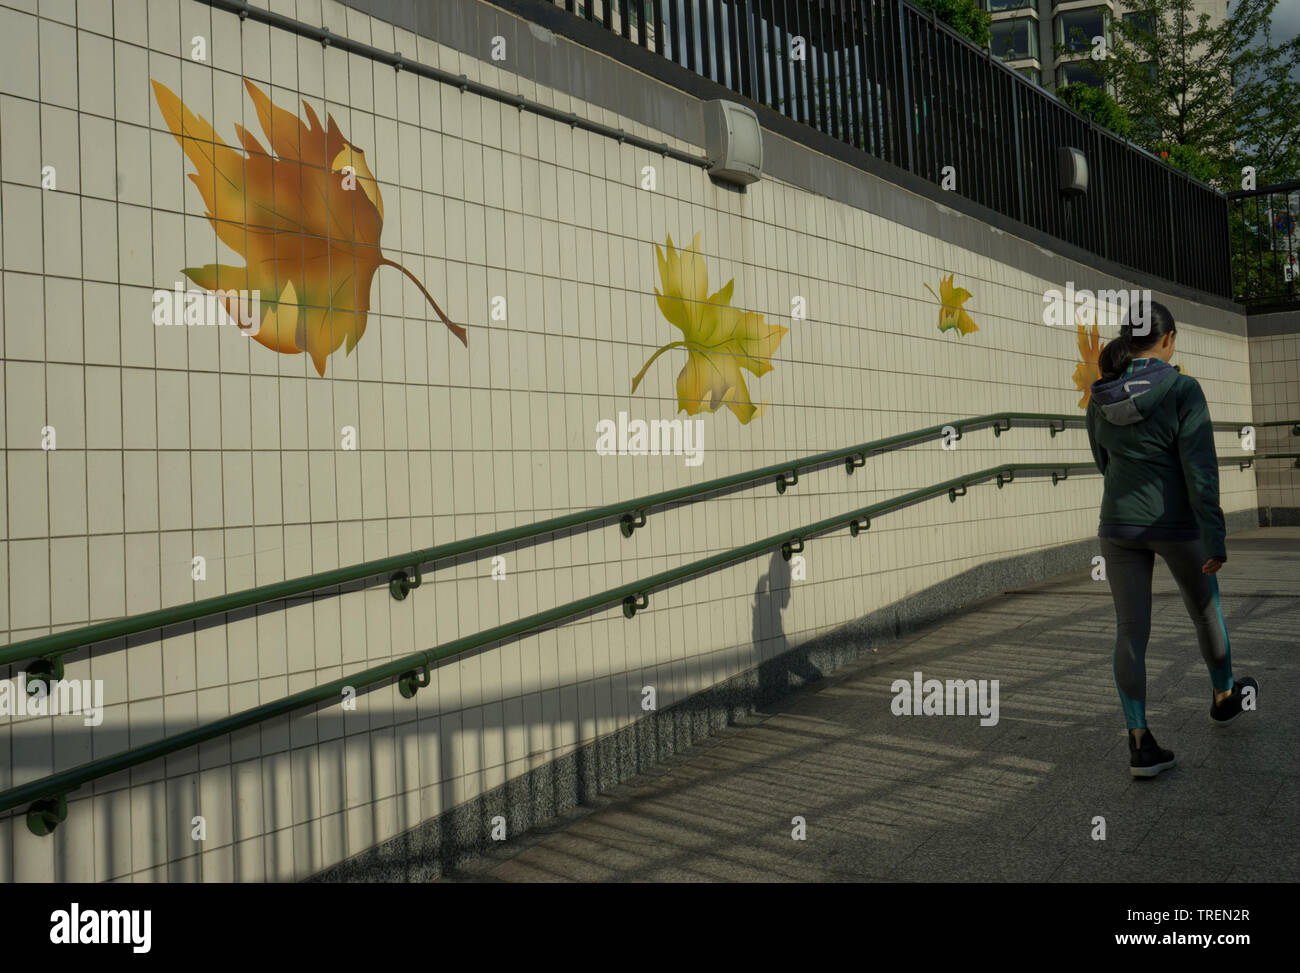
1089 368
951 313
719 339
309 239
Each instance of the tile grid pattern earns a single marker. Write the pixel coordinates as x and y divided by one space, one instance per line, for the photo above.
1275 390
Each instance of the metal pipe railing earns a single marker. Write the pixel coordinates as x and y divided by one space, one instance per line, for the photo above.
631 514
48 795
44 653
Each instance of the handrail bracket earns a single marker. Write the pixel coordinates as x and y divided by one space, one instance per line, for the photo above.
400 584
47 814
631 521
635 603
410 683
43 671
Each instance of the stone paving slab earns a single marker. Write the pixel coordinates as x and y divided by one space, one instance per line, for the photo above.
942 798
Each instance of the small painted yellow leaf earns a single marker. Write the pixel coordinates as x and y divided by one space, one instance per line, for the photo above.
952 315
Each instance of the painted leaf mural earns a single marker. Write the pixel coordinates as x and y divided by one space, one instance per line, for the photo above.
306 220
719 339
952 315
1089 369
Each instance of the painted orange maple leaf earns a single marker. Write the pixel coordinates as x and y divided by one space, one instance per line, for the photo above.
720 339
1089 368
951 313
309 239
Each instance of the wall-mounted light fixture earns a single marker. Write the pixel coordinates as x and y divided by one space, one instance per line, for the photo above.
734 142
1073 166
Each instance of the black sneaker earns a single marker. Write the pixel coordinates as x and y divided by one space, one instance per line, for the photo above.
1149 759
1221 714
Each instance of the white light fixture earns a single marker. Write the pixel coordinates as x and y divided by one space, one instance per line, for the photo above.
734 142
1073 166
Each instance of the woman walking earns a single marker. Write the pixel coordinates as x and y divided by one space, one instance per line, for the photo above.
1150 432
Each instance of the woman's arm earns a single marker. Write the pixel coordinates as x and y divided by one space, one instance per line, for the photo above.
1201 467
1099 454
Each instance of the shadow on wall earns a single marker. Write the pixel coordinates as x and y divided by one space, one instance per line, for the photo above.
771 597
304 760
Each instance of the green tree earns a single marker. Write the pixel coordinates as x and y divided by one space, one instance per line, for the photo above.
1097 105
1214 98
963 16
1189 158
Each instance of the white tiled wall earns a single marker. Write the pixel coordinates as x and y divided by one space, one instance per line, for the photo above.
1275 389
174 442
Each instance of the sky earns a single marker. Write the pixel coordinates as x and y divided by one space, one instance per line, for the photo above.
1286 24
1286 18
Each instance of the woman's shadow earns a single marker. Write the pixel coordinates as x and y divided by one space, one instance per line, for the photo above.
783 669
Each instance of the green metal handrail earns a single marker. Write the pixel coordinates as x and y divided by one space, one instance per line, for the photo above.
48 650
48 795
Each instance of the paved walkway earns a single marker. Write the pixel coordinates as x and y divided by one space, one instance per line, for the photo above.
921 798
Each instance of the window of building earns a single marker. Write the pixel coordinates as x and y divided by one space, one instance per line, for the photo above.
1076 28
1142 19
1014 39
993 6
1033 74
1077 72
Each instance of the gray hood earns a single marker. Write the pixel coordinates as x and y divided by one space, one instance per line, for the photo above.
1129 399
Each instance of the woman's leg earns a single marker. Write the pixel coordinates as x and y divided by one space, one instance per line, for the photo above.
1201 596
1128 569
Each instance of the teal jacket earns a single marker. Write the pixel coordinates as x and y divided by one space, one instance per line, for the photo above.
1152 438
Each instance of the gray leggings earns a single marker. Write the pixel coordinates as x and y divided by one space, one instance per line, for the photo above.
1129 564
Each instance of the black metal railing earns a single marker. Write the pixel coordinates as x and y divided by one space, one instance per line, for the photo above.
1266 246
892 80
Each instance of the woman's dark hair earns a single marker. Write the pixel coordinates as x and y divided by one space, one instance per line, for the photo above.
1119 352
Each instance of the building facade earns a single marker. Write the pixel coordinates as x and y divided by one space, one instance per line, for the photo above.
1025 34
